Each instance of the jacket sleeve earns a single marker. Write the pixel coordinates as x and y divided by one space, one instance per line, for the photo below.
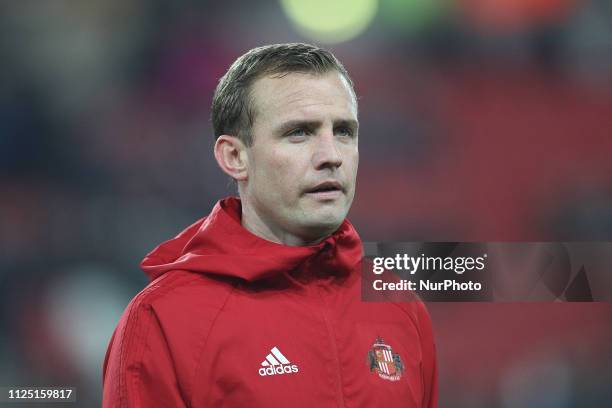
430 369
138 368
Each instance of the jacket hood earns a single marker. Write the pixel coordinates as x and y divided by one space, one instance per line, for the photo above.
218 244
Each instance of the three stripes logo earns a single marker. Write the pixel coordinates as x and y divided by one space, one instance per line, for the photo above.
276 363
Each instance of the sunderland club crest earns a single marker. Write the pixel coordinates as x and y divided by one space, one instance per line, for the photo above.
387 364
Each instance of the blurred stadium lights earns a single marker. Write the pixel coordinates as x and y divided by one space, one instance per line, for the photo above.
330 21
336 21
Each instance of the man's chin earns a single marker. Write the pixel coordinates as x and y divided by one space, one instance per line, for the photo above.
323 224
320 219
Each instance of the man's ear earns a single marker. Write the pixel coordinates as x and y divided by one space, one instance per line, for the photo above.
231 155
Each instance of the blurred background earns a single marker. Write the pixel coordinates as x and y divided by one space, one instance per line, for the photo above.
481 120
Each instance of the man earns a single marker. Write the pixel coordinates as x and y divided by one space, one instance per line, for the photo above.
258 304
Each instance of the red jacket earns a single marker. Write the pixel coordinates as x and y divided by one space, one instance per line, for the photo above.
233 320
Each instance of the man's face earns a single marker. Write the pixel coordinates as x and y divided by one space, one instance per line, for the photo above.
302 165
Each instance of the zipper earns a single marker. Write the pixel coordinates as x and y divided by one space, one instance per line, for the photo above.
330 332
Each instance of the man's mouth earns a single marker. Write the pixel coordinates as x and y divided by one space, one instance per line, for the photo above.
326 190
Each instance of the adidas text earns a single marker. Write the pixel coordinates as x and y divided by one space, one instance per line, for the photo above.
284 369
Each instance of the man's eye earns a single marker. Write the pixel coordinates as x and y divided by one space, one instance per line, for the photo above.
297 132
344 131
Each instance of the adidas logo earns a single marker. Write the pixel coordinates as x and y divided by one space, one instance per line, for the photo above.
276 363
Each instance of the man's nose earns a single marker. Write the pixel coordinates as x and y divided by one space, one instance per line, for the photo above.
327 154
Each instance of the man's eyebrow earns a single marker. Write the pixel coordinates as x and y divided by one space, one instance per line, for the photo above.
315 124
349 123
298 123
